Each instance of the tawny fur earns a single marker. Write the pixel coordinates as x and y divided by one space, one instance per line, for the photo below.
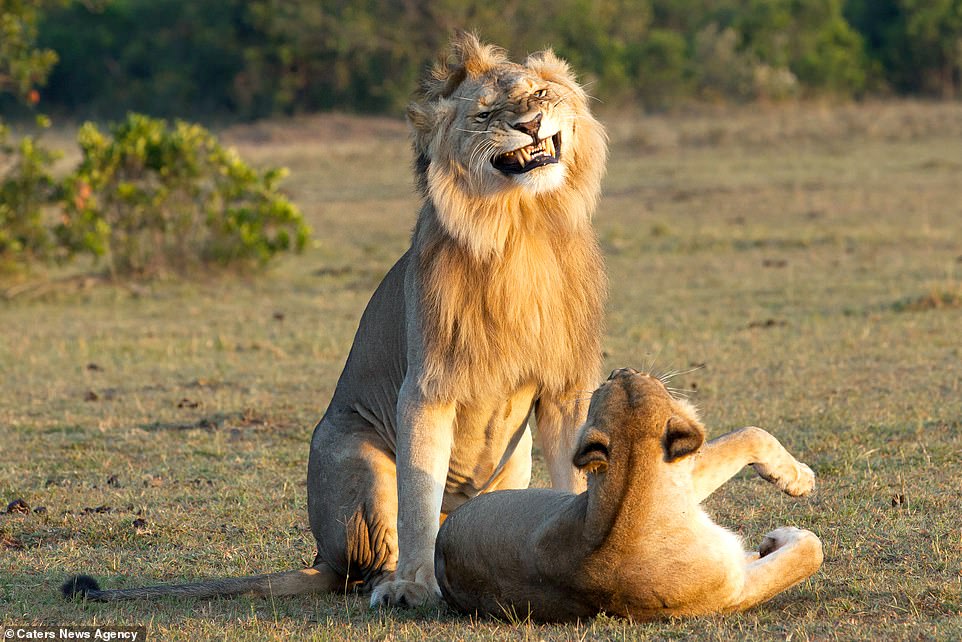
636 543
512 285
495 310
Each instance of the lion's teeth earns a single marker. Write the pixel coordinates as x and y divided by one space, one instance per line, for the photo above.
549 146
519 155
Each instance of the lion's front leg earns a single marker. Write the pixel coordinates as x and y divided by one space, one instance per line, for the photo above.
557 421
424 438
722 458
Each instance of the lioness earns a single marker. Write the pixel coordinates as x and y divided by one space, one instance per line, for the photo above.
636 543
495 310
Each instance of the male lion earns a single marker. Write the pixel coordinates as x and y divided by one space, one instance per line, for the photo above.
636 543
495 310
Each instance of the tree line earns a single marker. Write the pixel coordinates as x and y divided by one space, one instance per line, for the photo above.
249 59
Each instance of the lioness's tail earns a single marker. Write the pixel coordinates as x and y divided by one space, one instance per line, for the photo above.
317 579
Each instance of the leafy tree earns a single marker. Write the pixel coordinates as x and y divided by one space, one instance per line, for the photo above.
23 66
916 45
159 56
253 58
809 37
934 29
659 67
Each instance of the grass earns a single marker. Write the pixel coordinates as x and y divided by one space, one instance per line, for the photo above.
808 259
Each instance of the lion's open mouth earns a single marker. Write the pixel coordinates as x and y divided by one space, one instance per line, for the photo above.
524 159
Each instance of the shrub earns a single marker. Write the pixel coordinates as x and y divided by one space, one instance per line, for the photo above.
26 188
151 199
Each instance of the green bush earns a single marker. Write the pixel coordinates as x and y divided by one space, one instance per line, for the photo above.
26 188
153 199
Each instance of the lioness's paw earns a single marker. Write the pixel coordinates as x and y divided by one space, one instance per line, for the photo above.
405 593
803 482
785 536
796 480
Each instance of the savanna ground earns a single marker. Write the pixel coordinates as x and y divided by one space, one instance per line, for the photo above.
805 261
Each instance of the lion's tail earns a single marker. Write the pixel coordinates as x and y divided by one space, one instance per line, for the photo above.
320 578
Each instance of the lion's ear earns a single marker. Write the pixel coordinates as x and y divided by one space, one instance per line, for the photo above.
427 118
682 437
422 118
466 56
592 454
550 67
473 55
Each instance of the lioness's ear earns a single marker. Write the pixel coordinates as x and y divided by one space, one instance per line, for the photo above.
591 456
682 437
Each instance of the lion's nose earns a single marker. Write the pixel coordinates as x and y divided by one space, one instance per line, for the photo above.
530 127
622 372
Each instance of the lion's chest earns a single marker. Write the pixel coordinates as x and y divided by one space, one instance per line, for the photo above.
531 315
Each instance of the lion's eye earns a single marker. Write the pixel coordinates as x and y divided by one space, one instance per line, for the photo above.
482 115
541 93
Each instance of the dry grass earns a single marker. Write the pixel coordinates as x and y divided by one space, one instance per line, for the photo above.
807 257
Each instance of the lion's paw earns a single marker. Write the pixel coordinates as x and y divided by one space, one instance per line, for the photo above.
405 593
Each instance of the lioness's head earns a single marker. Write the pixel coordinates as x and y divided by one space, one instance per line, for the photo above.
633 416
490 130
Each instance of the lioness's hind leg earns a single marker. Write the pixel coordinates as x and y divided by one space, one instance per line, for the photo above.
722 458
787 556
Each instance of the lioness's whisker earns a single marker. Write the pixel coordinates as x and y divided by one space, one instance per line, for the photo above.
668 376
650 369
680 392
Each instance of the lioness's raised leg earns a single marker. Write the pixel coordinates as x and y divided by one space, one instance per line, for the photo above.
788 556
720 459
352 500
